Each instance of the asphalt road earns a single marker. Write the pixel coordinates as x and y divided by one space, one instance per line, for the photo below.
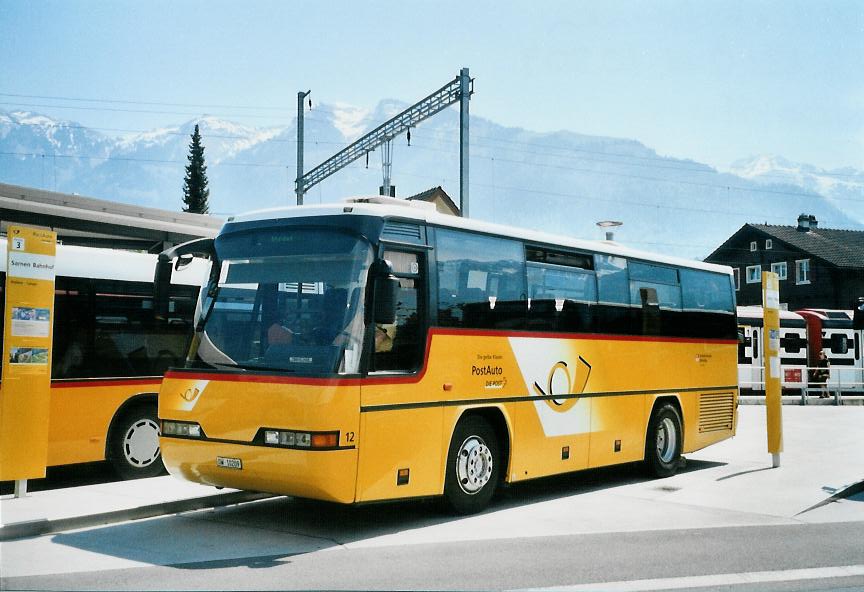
813 556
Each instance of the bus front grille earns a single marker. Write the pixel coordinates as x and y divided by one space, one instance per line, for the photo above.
716 411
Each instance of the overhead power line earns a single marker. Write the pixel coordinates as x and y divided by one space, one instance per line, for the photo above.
130 102
149 111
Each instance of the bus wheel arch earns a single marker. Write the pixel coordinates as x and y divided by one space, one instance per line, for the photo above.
477 458
132 444
664 437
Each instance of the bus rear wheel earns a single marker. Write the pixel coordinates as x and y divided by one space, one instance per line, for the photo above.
473 466
663 442
133 444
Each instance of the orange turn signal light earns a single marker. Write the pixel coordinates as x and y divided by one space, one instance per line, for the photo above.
329 440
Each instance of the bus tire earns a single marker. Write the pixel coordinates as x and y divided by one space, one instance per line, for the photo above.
663 442
473 466
133 443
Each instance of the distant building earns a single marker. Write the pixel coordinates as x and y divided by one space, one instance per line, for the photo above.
439 197
818 267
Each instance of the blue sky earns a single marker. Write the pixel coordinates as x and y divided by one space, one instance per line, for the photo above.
712 81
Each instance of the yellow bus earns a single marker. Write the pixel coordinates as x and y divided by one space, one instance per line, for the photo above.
376 350
109 355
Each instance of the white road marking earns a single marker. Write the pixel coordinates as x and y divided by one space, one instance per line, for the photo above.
753 577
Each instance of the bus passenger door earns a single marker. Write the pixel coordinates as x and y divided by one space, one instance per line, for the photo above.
399 432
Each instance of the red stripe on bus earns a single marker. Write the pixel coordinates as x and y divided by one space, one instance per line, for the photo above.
100 382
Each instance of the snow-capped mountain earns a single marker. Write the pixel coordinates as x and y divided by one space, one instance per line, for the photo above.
561 182
843 187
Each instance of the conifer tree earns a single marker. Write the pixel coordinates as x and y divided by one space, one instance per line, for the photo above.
195 191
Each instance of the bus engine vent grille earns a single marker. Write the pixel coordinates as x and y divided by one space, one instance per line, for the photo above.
401 231
716 411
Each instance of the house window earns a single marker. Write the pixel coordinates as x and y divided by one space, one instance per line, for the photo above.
779 269
753 246
802 271
754 274
737 273
769 244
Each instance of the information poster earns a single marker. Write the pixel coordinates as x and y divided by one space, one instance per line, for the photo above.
27 337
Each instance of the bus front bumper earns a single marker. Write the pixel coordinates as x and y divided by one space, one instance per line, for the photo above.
316 474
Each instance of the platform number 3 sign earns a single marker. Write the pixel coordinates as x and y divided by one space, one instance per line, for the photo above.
17 243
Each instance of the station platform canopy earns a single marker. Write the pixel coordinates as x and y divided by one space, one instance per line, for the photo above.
86 221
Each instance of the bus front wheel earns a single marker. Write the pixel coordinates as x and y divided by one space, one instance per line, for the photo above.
473 466
133 444
663 442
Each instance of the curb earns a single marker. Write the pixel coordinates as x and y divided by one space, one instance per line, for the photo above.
842 493
30 528
853 401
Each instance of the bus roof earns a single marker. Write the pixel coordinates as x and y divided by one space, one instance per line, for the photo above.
384 207
112 264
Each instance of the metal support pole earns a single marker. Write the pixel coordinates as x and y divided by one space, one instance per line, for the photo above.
464 96
21 488
386 166
299 189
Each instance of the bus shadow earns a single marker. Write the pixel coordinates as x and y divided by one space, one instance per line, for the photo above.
584 482
270 532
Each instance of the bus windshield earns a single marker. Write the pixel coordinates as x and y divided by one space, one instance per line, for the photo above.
287 300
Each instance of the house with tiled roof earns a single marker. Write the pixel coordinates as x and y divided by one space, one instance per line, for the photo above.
437 195
818 267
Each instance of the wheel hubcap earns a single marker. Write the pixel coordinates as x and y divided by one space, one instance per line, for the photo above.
666 440
473 465
141 444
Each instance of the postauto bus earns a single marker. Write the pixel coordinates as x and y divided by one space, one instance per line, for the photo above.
376 349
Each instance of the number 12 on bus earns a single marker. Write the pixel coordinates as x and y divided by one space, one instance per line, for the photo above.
377 350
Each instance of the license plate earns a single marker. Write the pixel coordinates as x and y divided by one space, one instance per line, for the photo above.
229 463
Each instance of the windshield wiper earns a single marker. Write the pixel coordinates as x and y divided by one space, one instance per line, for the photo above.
251 367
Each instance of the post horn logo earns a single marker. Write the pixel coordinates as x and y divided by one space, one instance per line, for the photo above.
191 393
563 388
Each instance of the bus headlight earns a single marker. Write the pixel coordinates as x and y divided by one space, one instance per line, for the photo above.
181 428
301 439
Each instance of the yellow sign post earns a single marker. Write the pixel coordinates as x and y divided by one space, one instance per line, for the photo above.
27 337
771 348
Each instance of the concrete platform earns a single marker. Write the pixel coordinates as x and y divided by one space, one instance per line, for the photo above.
729 484
59 510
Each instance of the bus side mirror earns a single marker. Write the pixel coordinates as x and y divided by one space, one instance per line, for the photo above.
162 287
183 261
184 253
858 317
386 287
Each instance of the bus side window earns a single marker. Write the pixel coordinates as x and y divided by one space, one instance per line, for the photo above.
481 281
659 278
613 294
400 346
73 329
562 290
